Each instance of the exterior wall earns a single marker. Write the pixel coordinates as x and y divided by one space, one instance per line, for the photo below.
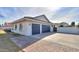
51 28
27 27
40 28
26 30
68 30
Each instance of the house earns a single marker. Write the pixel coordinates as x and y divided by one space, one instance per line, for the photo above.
6 26
32 25
62 24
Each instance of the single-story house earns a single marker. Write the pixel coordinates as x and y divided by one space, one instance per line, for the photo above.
6 26
62 24
32 25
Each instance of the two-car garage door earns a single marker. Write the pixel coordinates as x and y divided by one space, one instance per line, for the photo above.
36 28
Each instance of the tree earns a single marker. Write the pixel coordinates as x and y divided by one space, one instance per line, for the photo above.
72 23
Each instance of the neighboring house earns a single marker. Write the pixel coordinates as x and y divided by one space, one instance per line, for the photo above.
56 24
62 24
7 26
32 25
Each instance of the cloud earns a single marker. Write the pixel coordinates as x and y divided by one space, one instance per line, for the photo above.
66 14
54 14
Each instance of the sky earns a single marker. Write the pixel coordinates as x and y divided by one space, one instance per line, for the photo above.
54 14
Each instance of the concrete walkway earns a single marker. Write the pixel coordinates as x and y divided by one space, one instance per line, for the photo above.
24 41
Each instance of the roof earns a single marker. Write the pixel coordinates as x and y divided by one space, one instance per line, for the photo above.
42 18
60 23
63 23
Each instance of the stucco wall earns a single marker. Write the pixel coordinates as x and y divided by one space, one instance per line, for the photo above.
68 30
26 30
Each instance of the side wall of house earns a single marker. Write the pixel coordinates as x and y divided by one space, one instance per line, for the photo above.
26 28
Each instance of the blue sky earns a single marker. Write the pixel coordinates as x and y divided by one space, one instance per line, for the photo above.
54 14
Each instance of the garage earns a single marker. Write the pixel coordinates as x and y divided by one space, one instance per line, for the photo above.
45 28
35 29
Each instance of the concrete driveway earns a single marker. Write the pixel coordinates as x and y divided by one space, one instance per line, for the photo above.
55 42
61 38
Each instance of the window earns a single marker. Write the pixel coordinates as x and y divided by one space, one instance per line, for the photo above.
20 27
15 27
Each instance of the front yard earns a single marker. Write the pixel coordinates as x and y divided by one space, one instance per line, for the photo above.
6 45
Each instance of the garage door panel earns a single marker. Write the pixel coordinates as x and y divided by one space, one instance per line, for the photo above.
45 28
35 28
